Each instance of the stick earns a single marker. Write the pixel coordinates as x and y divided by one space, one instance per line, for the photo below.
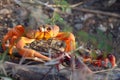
97 12
95 72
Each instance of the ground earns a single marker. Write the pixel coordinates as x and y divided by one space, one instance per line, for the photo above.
89 16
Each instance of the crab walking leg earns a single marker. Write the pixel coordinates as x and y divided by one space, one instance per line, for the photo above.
12 35
12 44
11 39
29 52
5 38
69 40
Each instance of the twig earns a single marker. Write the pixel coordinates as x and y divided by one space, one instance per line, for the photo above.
71 6
2 68
95 72
74 7
35 59
97 12
56 60
52 7
46 74
36 2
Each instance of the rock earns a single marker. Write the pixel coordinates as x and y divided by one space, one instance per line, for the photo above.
102 28
87 16
33 72
78 26
119 28
5 11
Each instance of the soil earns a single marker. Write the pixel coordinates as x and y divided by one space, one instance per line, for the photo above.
90 16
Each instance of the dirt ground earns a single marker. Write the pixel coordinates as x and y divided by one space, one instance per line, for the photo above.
85 15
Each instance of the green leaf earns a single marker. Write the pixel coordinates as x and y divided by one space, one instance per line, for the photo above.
93 55
93 40
3 56
101 45
84 36
99 40
67 29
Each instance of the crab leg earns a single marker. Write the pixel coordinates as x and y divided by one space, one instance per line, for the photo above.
69 40
12 35
12 44
28 52
5 38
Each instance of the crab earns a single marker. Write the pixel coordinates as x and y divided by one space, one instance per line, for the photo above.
108 62
19 36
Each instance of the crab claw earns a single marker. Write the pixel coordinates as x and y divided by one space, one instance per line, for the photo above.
109 61
97 63
12 36
69 40
112 59
28 52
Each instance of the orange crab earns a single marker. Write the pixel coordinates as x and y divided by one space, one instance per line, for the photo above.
18 37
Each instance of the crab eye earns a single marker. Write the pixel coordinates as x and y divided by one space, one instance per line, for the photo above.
49 29
41 29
